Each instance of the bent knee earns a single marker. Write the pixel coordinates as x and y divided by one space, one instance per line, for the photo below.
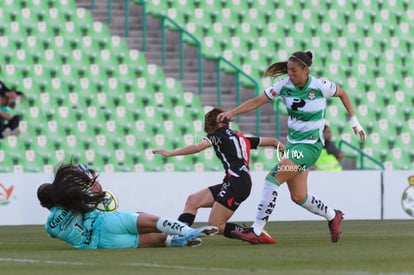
192 201
298 199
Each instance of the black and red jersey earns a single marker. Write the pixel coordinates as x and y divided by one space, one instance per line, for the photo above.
233 149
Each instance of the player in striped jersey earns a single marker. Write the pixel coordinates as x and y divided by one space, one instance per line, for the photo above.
233 150
305 100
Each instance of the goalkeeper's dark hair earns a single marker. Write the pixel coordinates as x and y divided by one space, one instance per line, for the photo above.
210 120
69 190
304 59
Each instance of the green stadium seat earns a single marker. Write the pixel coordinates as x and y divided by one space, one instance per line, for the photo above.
247 33
89 49
289 5
95 117
100 32
144 91
135 60
256 58
6 161
173 127
157 8
273 31
212 47
154 74
153 114
252 72
15 33
125 74
177 16
96 73
34 47
152 162
235 58
230 17
266 6
198 22
118 46
179 164
68 5
23 61
53 18
400 158
31 163
106 60
15 146
238 6
82 18
61 45
207 166
84 131
220 31
210 6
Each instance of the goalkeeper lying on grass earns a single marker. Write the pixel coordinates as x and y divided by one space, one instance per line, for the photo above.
73 199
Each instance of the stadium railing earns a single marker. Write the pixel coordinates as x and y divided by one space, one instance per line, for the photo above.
238 72
182 32
362 156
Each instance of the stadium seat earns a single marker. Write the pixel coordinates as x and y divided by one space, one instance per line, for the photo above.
55 60
100 32
212 47
179 164
220 31
154 74
177 17
152 162
157 8
32 162
198 23
6 161
135 59
239 6
210 6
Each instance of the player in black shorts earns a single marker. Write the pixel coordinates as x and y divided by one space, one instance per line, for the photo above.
233 150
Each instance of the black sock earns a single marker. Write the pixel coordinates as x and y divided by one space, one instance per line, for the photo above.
187 218
230 227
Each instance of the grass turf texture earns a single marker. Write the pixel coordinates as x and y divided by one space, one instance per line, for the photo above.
366 247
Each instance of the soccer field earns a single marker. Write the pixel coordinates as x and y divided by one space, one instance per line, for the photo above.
366 247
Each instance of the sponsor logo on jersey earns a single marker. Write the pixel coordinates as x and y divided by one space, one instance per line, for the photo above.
311 95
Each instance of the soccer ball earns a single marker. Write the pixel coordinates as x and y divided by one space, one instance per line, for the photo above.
408 200
109 203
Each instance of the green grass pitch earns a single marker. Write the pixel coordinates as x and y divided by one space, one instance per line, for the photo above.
366 247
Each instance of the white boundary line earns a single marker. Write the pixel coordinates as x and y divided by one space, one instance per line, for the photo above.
208 269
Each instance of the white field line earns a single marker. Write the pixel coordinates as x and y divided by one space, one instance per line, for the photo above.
210 269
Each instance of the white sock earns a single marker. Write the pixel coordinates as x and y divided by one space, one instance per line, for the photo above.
266 205
316 206
172 227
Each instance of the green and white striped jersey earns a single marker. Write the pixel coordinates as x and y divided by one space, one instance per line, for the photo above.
306 107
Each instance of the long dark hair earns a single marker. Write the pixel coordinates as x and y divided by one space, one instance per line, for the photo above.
280 68
69 190
210 120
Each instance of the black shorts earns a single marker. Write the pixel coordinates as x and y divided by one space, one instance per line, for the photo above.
233 191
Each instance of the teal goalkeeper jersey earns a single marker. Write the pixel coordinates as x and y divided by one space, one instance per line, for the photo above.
75 229
306 107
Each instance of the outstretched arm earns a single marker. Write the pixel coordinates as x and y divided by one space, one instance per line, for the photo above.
188 150
356 126
245 107
269 141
